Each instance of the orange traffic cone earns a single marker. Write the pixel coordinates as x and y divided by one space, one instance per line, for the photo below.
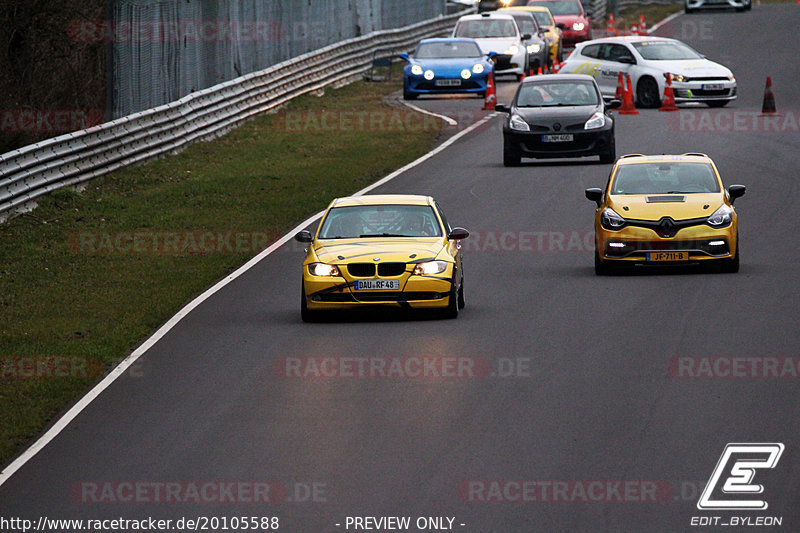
642 26
616 32
556 67
628 108
635 30
669 96
612 24
768 108
491 97
620 88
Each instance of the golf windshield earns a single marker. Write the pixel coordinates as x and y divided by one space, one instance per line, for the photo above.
665 50
489 28
665 178
366 221
447 50
560 7
558 93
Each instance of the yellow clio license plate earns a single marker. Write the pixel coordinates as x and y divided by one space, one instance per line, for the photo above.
667 256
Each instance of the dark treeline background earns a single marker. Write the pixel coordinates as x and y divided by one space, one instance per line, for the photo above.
48 68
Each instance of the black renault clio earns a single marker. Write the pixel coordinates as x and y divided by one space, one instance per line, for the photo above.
558 115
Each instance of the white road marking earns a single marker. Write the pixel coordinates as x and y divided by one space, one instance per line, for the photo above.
447 119
661 23
120 369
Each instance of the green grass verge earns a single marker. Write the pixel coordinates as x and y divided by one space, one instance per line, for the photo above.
91 309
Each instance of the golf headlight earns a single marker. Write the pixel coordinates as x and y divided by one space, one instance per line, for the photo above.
598 120
416 70
534 48
731 78
518 123
611 220
578 26
430 268
466 74
321 269
679 78
429 75
477 68
512 50
721 217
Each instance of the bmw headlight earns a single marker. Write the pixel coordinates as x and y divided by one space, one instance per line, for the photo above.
430 268
534 48
578 26
478 68
416 70
466 74
429 75
598 120
322 269
611 220
512 50
721 217
518 123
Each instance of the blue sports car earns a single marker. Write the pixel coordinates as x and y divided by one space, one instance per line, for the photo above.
446 66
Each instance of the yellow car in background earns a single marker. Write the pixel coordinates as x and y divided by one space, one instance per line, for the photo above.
665 210
553 33
383 250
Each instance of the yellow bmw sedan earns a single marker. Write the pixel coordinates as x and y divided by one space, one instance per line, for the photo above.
383 250
665 210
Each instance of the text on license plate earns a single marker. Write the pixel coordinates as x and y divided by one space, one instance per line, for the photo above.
667 256
377 285
712 86
563 138
448 83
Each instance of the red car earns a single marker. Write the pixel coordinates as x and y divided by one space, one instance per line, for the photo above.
570 17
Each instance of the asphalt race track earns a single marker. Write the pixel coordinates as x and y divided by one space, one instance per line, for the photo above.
580 412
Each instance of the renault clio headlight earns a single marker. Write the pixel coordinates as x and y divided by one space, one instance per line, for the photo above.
598 120
611 220
721 217
518 123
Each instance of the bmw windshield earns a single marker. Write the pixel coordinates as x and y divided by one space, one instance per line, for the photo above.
364 221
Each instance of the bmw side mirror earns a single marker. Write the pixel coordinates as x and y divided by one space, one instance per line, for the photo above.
404 56
596 195
736 191
613 104
304 236
458 234
502 108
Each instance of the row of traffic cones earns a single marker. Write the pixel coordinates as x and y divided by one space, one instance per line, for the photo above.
636 29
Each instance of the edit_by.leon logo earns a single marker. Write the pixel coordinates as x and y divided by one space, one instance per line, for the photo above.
739 462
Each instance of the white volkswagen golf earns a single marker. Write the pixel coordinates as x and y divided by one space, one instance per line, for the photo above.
648 60
497 32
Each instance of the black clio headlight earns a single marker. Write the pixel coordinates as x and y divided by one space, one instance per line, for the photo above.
611 220
721 217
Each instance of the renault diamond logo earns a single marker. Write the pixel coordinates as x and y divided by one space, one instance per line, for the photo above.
667 227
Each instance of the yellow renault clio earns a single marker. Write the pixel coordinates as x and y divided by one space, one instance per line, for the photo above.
383 250
665 210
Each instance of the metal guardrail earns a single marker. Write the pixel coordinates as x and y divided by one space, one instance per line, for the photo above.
74 158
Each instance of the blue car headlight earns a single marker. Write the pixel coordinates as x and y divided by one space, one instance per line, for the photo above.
416 70
478 68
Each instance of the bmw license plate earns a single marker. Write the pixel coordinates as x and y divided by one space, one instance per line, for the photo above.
448 83
667 256
712 86
563 138
377 285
